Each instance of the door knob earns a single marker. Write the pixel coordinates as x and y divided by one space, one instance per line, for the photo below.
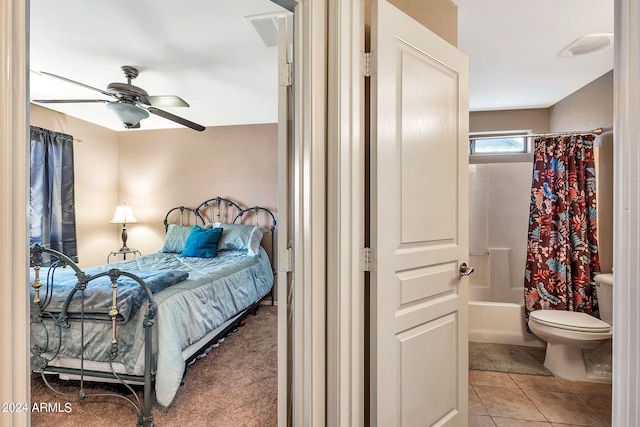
465 270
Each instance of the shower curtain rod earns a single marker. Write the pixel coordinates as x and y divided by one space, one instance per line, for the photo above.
597 131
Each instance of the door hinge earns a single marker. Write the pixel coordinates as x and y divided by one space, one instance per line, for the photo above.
367 259
285 260
367 64
285 77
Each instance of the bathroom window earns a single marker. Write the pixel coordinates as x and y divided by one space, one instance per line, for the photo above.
498 143
498 146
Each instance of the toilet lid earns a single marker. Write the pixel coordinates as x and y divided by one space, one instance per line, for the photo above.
570 320
604 279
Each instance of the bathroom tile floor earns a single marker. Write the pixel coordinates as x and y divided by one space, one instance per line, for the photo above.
498 399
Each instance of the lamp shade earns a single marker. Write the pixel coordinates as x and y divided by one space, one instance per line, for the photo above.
123 215
129 114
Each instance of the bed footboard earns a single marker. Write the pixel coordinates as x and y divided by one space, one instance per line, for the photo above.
49 322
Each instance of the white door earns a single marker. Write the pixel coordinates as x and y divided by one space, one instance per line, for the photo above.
419 225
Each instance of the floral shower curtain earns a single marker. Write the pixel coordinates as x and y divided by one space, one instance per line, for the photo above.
52 197
562 250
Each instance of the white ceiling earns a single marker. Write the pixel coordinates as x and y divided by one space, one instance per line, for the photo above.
514 50
206 52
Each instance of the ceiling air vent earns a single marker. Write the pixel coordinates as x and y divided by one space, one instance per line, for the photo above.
266 27
588 44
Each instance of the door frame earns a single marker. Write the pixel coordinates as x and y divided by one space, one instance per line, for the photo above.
14 247
346 143
308 217
309 210
626 243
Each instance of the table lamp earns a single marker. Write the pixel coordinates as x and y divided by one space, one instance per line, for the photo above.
123 215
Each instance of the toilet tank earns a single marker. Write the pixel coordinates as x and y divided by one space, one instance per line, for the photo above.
604 286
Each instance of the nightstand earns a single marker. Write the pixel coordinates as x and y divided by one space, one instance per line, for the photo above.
123 252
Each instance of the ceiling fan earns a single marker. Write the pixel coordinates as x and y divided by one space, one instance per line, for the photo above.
130 103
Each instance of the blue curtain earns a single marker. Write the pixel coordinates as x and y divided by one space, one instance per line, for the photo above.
52 202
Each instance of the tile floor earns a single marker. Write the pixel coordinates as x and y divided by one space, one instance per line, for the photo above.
497 399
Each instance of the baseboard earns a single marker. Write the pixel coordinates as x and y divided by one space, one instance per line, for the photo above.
502 337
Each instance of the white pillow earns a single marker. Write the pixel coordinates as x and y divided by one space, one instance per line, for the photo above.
239 237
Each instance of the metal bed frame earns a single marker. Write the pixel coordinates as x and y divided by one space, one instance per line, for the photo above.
38 312
39 255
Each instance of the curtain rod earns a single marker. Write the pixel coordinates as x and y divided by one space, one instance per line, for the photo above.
597 131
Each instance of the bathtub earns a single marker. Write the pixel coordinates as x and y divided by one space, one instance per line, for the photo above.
499 323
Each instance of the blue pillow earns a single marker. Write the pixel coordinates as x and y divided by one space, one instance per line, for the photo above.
202 243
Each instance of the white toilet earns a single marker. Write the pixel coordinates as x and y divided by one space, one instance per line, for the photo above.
578 345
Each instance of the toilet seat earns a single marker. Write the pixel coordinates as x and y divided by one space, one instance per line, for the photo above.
570 320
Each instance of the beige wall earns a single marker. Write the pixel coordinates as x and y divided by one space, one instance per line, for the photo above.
155 170
589 108
161 169
536 120
440 16
96 182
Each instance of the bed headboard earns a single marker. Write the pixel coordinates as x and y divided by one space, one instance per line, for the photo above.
255 212
223 210
219 209
183 216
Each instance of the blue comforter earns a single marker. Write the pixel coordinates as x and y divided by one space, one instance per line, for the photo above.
216 290
98 295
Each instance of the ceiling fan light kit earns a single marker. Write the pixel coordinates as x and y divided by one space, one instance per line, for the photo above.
132 103
129 114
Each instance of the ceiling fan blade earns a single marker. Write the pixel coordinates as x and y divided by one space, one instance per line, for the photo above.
176 119
163 101
104 92
67 101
